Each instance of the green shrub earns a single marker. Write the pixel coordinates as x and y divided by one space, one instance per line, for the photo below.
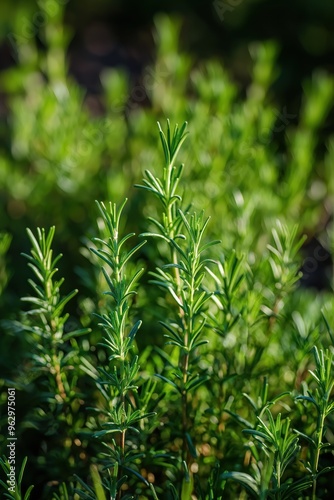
194 363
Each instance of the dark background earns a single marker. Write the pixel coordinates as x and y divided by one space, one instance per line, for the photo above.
119 33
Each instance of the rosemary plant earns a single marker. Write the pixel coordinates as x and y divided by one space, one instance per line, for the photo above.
273 447
47 311
118 381
182 277
16 492
248 170
52 364
322 403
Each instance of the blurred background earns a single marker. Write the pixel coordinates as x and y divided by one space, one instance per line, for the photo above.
112 34
104 61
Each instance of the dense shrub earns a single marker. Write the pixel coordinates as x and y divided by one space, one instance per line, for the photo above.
198 362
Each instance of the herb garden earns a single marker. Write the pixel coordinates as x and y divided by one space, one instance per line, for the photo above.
167 312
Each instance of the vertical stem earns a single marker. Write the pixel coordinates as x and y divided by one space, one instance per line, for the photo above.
153 492
278 472
321 421
185 406
59 382
184 356
120 472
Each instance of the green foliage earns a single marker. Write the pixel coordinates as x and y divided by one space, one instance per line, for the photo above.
321 399
45 321
16 491
184 365
182 277
118 381
50 368
275 446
